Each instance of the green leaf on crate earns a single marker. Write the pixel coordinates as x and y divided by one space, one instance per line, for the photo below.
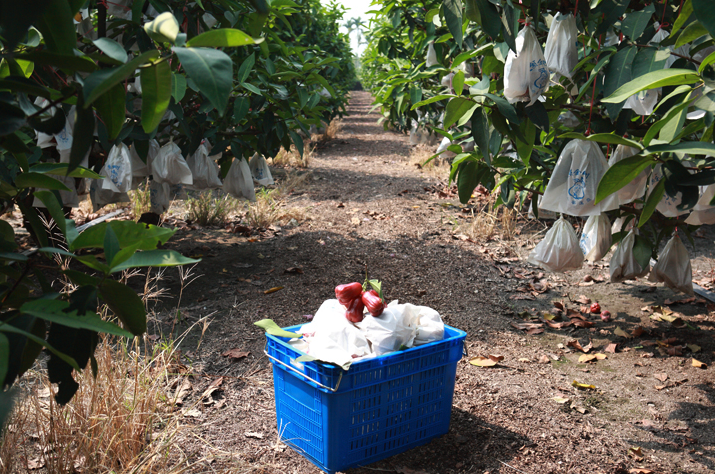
621 174
652 80
156 94
57 311
306 358
211 70
273 329
222 37
126 305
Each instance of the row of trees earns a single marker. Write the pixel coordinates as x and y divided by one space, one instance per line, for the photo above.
249 75
641 76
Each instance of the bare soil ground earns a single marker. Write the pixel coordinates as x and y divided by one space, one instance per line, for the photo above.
366 202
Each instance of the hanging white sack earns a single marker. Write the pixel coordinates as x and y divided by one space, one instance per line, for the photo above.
431 58
64 137
526 75
170 167
204 169
543 213
239 182
673 267
118 169
568 119
636 188
618 225
623 263
703 212
101 197
560 53
574 181
668 205
596 238
260 171
559 251
45 140
159 200
67 198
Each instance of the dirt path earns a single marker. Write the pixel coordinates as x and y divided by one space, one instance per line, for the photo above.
367 202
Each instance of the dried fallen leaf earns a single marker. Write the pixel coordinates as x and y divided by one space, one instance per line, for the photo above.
575 344
235 353
355 221
600 356
533 332
583 299
480 361
544 360
496 358
193 413
294 270
694 347
620 332
561 400
212 388
636 452
181 391
273 290
582 324
252 434
639 470
35 463
526 326
662 377
638 331
611 348
586 358
524 359
583 385
699 365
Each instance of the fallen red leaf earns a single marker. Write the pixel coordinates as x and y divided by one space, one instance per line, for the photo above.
582 324
611 348
534 331
638 331
235 353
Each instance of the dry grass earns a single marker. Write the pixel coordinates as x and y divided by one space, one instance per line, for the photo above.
491 222
207 209
141 200
437 168
272 205
331 131
293 157
120 421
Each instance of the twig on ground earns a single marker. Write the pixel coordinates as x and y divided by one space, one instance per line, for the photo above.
517 470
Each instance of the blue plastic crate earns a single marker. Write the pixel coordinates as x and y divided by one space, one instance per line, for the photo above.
380 407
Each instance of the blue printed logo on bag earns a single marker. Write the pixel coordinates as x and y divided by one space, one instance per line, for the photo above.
578 190
540 66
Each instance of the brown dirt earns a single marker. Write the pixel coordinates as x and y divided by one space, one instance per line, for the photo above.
368 203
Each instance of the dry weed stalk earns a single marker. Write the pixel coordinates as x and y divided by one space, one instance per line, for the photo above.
205 209
293 157
331 131
492 221
271 205
140 199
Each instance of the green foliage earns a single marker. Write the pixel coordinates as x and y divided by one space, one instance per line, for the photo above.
246 74
516 146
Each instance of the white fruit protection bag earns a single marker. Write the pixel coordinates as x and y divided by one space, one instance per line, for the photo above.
559 251
703 212
393 329
239 182
574 181
204 169
169 166
431 57
526 75
636 188
673 267
159 200
668 205
118 170
260 171
101 197
596 238
623 264
560 53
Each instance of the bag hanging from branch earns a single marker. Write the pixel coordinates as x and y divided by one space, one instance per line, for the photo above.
239 182
431 57
673 267
169 166
703 212
204 169
260 171
559 251
526 75
543 213
68 198
560 52
101 197
618 225
118 169
624 265
159 199
636 188
668 205
596 238
573 184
